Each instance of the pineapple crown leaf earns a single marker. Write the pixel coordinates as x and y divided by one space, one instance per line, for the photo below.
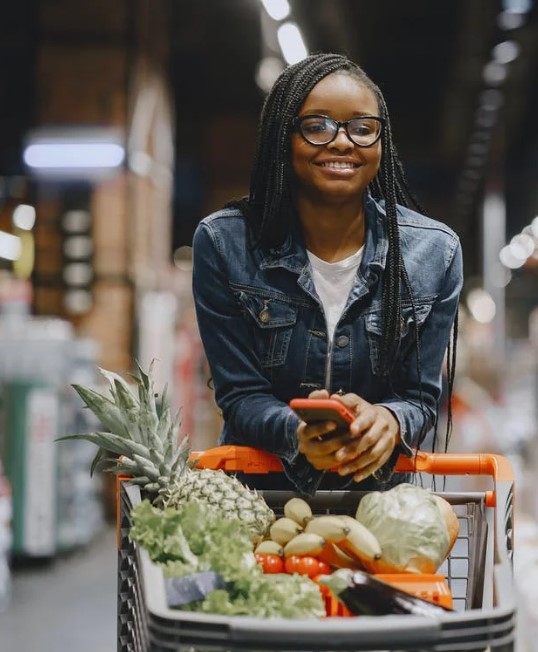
112 377
146 392
111 442
97 461
103 408
164 398
144 379
125 398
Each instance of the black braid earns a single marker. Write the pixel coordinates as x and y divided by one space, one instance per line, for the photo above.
269 210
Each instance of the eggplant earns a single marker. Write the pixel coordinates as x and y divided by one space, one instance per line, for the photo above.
364 595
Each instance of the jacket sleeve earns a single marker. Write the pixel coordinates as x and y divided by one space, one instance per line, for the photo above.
415 419
253 415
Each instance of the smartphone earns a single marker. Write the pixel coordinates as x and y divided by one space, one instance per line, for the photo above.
313 410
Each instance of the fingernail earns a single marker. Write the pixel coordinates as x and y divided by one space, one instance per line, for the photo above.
358 477
340 455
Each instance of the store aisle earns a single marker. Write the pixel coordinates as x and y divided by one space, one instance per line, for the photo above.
69 604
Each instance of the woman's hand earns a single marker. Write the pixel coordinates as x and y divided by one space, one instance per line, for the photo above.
369 443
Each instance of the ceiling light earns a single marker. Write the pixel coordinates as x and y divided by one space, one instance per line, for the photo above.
78 246
74 155
494 73
89 152
24 217
481 305
508 20
76 221
269 68
291 43
10 246
524 243
277 9
78 301
491 99
517 6
506 52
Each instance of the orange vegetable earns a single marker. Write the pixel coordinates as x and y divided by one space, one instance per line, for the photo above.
306 565
270 563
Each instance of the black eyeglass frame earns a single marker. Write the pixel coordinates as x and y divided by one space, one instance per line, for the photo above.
297 126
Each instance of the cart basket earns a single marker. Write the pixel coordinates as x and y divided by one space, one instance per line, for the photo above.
478 571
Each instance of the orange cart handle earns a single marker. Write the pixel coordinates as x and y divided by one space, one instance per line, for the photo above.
496 466
252 460
235 459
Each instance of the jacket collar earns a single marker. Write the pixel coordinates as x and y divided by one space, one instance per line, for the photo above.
291 255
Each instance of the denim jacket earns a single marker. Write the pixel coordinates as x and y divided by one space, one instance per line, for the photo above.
264 333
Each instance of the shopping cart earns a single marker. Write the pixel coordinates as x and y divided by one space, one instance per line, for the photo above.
478 572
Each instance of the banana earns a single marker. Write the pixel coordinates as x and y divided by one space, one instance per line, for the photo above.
284 529
331 528
298 510
360 543
306 543
269 547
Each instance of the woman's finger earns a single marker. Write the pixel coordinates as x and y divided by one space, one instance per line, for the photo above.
376 455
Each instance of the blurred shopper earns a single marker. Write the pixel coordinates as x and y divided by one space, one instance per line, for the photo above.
324 281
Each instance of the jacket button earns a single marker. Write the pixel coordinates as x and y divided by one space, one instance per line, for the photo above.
264 315
342 341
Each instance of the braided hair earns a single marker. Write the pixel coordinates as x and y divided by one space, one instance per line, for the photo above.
269 210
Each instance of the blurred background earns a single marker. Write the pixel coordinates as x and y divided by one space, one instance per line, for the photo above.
123 124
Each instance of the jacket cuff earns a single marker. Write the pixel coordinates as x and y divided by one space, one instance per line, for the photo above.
402 413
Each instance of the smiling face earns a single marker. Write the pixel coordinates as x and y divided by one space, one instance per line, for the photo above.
339 171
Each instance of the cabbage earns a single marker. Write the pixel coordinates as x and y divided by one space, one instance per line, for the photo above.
410 528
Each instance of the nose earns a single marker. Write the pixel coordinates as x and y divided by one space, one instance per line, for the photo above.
342 140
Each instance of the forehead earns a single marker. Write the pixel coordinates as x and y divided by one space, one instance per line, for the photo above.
340 92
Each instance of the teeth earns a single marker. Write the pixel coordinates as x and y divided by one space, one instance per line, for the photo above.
340 165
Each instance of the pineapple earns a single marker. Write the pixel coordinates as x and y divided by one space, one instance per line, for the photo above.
147 440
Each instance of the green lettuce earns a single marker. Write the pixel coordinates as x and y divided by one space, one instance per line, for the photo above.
195 538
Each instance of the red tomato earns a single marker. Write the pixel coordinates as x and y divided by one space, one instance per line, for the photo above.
291 565
270 563
323 568
305 565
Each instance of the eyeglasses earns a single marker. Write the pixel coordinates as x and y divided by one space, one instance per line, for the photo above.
322 130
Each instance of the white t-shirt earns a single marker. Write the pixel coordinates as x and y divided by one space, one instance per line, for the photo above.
333 282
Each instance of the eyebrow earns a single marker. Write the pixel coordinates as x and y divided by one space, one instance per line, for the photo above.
325 112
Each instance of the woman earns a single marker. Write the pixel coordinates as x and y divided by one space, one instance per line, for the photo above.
324 282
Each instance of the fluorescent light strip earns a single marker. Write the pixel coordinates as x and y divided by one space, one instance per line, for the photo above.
74 155
291 43
277 9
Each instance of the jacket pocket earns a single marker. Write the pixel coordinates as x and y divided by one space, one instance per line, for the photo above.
273 321
374 331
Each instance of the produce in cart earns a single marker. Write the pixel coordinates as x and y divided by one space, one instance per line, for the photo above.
415 529
209 565
365 595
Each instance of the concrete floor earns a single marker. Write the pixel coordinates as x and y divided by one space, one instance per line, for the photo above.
67 604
